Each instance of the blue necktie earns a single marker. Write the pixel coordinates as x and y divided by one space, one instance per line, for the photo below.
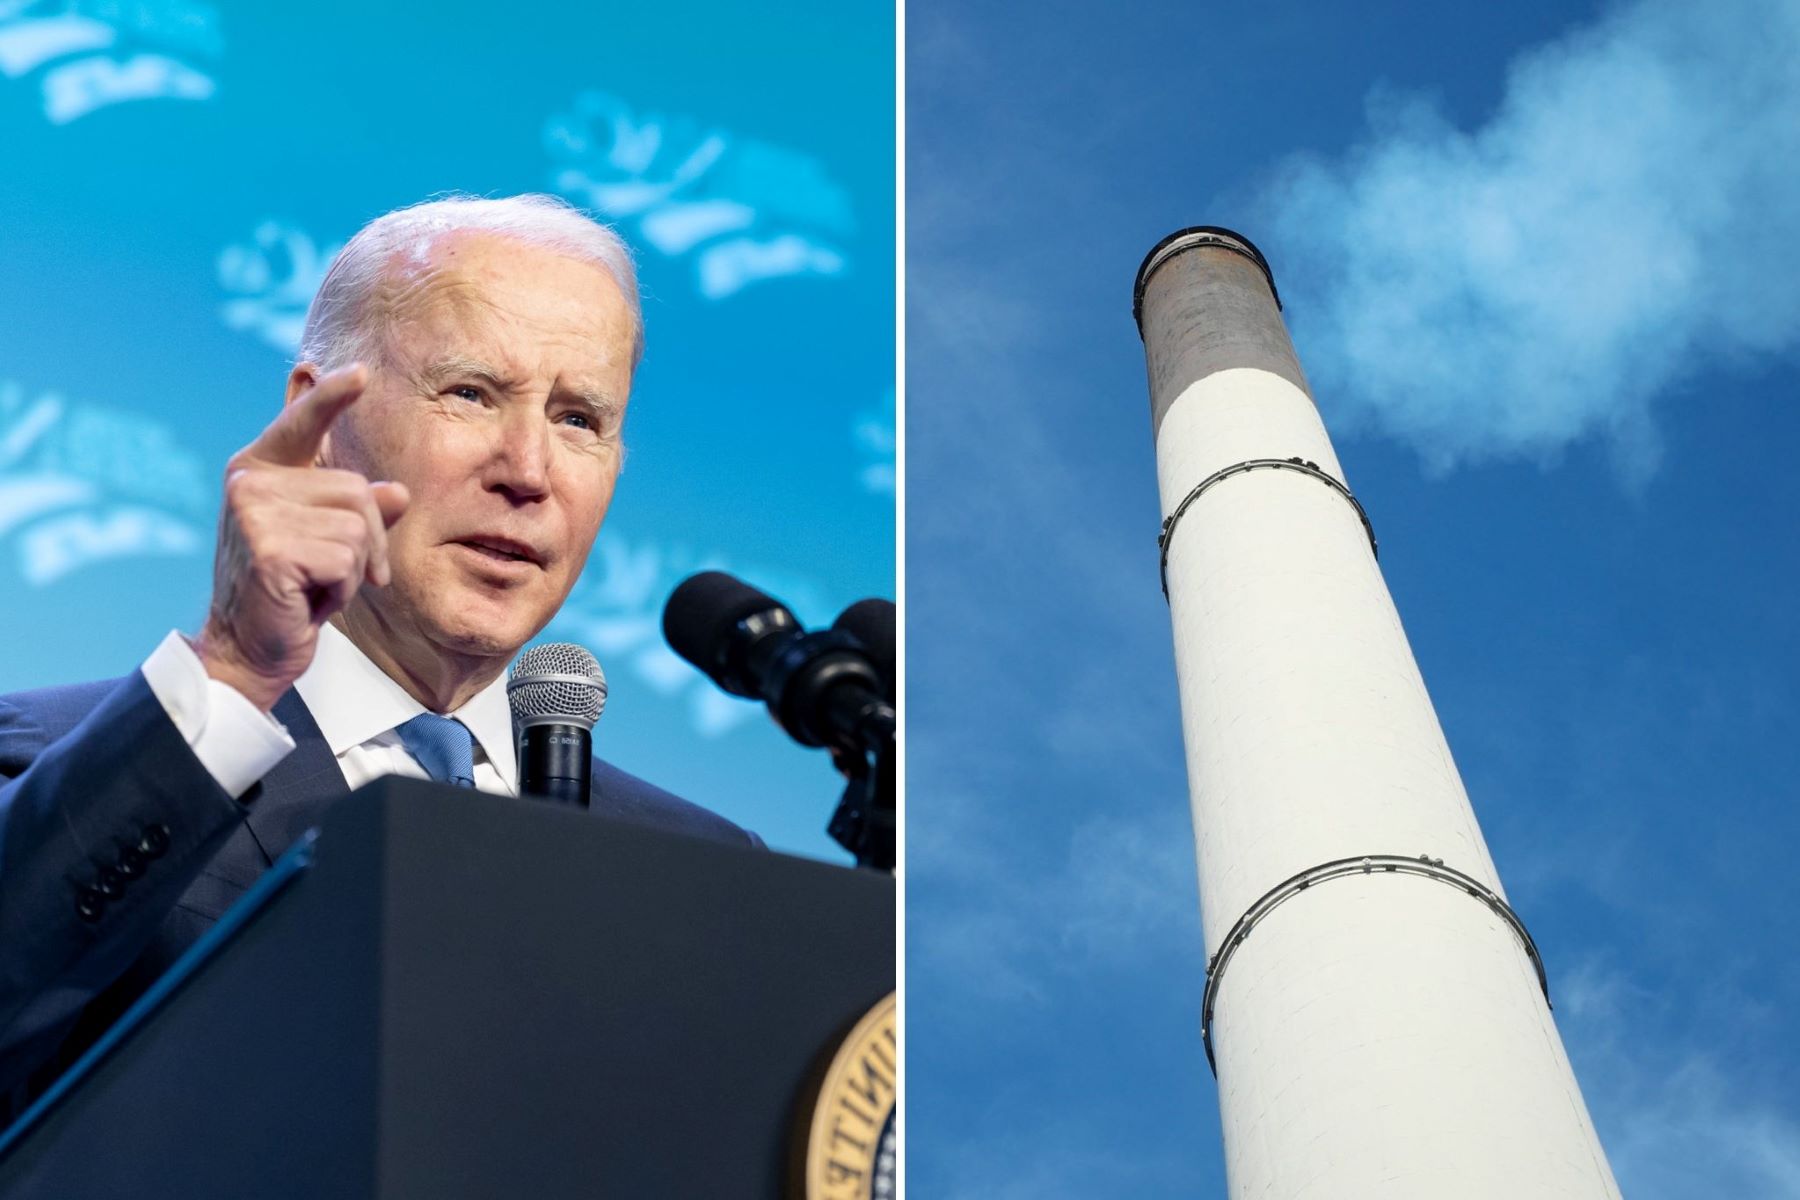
443 747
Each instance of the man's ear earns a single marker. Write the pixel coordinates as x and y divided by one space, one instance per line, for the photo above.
301 380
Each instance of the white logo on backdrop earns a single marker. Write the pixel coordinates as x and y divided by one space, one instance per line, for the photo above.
274 275
745 210
616 609
873 433
80 483
96 53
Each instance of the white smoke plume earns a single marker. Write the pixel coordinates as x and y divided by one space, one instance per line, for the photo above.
1627 221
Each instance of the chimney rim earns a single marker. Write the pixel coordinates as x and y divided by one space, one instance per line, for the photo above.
1191 238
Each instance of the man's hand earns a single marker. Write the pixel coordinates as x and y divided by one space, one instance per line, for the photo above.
295 542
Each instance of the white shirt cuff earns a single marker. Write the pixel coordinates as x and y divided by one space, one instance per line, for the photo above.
234 740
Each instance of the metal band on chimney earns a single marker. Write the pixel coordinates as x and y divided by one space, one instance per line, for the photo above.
1369 864
1286 464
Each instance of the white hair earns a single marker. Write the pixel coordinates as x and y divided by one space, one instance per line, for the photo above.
344 326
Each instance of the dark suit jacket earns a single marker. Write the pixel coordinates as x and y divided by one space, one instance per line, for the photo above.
99 793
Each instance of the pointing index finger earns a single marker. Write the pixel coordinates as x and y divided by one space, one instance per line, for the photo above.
293 438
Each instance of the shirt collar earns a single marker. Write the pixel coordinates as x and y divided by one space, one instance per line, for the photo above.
354 701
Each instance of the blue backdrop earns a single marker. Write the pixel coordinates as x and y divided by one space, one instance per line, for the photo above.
175 176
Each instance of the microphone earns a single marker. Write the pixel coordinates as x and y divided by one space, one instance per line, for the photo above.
556 691
821 687
871 622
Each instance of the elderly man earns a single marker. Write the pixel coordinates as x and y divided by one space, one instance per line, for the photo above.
415 514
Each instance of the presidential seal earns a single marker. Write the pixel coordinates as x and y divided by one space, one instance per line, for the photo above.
847 1128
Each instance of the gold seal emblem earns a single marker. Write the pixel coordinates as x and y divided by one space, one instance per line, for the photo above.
849 1130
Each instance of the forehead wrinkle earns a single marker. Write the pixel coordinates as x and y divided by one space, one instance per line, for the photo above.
413 286
426 281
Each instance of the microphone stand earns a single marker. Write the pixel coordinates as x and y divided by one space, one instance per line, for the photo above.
864 821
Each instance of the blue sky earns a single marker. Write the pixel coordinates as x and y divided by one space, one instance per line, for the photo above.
1539 261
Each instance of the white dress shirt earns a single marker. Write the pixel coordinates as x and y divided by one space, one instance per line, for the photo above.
356 705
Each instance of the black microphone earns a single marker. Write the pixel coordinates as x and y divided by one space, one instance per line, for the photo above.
871 622
822 687
556 692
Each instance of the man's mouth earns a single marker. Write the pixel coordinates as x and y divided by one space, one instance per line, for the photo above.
502 549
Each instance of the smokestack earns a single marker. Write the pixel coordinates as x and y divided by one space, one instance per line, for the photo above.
1375 1012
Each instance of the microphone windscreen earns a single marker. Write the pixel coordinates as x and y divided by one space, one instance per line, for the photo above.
871 622
703 611
557 682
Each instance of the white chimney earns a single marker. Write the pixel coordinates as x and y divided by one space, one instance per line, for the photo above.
1376 1012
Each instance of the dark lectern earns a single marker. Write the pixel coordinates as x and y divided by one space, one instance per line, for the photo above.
463 995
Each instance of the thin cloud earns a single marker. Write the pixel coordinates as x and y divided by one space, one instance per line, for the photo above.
1011 920
1674 1124
1622 226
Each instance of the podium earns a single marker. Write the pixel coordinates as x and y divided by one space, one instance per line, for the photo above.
449 994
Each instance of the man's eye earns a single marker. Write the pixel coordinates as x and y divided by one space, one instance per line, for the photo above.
581 420
466 392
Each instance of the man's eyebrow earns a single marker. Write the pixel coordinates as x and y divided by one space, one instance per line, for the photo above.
593 398
459 365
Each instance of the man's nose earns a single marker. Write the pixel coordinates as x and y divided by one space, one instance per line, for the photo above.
521 464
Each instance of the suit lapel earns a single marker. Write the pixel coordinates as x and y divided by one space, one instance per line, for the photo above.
293 796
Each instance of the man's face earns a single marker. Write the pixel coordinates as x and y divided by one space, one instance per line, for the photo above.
498 400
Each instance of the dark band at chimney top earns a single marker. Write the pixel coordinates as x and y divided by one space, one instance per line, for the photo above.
1193 237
